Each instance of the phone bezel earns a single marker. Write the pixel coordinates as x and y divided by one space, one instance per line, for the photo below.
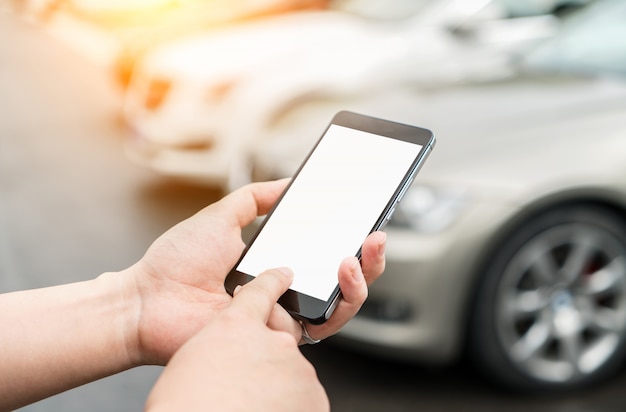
305 307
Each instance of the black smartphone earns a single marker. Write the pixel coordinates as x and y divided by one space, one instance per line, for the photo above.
345 189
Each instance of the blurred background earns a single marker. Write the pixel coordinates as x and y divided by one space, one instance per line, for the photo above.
506 278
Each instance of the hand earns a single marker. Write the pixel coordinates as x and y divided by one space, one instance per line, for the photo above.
257 368
178 285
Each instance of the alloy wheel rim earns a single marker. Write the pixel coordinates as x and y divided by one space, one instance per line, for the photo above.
561 303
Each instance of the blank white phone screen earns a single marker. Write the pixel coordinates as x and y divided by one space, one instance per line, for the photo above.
330 208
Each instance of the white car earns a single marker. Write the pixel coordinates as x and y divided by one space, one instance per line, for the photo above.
196 106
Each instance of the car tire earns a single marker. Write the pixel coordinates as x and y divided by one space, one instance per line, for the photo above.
549 314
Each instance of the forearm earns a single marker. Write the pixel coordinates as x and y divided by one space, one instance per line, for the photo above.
57 338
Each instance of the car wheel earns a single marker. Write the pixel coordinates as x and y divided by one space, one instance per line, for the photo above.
550 312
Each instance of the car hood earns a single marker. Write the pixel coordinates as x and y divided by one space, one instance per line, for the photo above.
532 134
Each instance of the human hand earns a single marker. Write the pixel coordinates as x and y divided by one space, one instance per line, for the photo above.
257 368
178 285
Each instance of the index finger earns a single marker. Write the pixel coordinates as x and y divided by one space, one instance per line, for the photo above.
258 297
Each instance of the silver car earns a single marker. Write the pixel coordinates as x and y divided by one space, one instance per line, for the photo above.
512 241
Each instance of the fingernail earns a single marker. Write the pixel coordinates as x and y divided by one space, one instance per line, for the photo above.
237 289
381 244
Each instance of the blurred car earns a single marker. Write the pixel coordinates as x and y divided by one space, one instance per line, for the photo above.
510 246
195 106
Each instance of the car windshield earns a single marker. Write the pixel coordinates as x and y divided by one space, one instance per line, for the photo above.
591 41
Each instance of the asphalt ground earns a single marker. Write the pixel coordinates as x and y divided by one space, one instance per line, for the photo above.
72 206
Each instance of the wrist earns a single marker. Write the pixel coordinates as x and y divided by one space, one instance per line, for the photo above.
127 308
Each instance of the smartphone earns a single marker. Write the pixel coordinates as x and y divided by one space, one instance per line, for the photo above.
346 188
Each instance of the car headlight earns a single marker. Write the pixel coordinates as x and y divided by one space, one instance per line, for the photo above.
427 209
157 92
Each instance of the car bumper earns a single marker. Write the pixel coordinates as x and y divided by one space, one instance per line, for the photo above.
418 309
213 165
